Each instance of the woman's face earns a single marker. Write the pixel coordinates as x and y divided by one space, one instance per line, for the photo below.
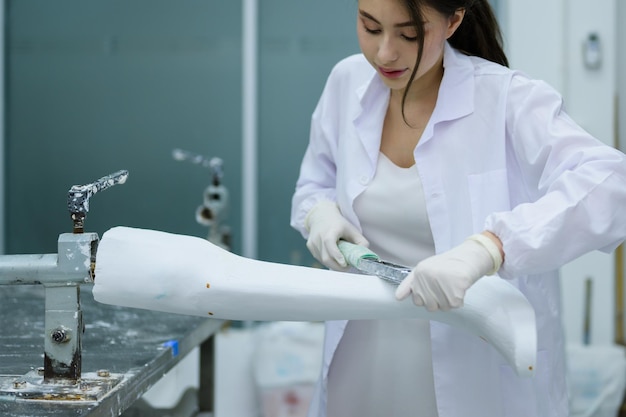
389 41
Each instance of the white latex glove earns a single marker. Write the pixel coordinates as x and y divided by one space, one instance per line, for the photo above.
439 282
326 226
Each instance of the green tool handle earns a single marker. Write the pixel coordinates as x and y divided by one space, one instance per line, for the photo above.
353 253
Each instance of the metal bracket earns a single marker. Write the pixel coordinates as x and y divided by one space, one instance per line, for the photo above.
61 274
32 386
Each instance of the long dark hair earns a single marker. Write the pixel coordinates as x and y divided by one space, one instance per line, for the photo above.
478 35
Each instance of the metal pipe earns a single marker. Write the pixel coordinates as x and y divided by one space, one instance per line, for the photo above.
3 129
28 269
37 269
619 296
250 126
73 264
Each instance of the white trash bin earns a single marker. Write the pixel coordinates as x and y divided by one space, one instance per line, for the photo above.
597 379
287 363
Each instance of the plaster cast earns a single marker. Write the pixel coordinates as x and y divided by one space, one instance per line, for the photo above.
188 275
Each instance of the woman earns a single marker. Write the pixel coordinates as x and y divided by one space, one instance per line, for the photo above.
427 148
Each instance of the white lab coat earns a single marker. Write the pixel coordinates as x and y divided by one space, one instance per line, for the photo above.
498 153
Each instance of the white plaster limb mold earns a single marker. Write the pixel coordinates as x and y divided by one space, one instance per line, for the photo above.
188 275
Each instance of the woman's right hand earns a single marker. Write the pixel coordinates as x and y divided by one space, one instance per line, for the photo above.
326 227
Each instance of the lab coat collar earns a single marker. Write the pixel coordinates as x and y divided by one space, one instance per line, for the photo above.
456 93
373 98
370 89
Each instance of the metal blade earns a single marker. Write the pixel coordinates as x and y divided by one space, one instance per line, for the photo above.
386 270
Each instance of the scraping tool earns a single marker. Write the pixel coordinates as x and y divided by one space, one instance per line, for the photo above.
367 262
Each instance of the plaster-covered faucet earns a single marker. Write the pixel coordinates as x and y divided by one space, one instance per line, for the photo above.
78 196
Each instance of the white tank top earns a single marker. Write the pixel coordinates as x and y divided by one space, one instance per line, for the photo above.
384 367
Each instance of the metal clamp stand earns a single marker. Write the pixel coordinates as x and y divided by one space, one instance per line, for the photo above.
215 201
61 275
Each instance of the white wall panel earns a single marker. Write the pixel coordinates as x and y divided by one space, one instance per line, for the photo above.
590 98
534 32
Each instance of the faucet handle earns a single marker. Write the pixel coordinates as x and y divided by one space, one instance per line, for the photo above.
78 196
214 164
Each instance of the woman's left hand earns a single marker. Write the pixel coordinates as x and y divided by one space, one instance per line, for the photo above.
440 282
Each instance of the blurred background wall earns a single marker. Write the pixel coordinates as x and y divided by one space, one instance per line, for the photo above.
94 87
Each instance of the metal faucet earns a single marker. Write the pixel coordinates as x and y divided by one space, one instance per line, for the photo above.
78 196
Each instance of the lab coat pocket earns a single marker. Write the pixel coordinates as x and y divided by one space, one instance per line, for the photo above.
489 193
